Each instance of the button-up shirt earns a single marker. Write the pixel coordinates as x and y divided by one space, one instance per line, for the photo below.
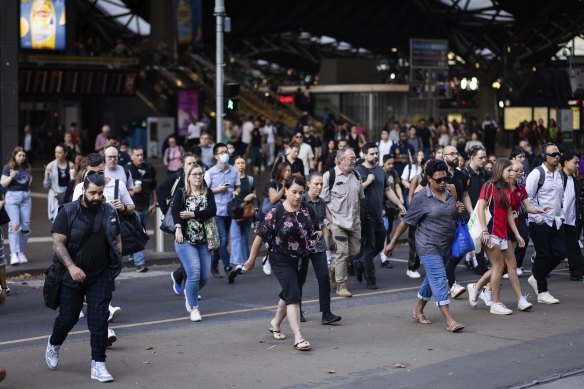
549 195
215 177
570 202
343 198
436 221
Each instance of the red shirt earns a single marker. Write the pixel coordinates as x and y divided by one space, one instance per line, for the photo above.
519 194
498 224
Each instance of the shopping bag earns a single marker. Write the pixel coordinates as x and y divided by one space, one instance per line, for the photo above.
462 242
474 225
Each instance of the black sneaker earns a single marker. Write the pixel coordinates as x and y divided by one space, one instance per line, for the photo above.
329 318
372 285
142 269
302 318
232 274
387 265
358 270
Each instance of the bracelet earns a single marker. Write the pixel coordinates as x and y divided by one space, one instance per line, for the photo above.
486 232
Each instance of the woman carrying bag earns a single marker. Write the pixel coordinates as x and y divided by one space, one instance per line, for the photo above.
193 209
58 174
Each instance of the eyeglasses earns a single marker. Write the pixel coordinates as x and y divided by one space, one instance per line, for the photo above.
553 155
438 180
351 158
454 154
196 174
111 156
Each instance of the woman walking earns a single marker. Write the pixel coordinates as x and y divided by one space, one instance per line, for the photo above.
434 211
16 178
290 233
497 196
58 174
193 206
172 157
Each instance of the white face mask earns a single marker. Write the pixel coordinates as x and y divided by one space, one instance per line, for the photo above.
224 158
231 151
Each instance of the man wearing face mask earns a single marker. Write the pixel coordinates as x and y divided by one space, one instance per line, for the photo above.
87 244
376 188
224 181
342 194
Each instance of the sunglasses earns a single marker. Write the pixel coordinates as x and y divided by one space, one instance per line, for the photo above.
438 180
553 155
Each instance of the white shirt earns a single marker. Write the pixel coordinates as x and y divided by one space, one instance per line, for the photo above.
383 149
550 195
194 130
305 154
406 175
246 130
108 192
570 203
28 142
120 174
269 132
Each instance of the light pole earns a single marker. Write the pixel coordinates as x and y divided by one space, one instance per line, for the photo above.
219 65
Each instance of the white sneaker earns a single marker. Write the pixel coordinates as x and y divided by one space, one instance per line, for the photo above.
531 281
114 313
199 297
383 257
519 271
487 297
523 304
52 355
22 258
413 274
473 295
81 315
14 260
266 267
99 372
456 290
187 306
195 315
111 337
500 309
506 276
547 298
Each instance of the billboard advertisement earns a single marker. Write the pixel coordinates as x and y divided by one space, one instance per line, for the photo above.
42 24
188 109
189 21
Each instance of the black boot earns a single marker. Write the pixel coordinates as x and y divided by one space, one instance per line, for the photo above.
371 284
328 318
358 270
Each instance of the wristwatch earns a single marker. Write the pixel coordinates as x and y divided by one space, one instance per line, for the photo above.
177 225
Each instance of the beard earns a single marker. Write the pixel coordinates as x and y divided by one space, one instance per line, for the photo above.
453 163
90 203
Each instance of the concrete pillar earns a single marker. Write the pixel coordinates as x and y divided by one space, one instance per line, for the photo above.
163 26
9 109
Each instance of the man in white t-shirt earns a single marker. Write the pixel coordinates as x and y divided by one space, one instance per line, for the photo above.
269 132
384 145
306 154
114 171
246 130
194 132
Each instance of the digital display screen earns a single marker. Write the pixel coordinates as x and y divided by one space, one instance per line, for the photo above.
42 24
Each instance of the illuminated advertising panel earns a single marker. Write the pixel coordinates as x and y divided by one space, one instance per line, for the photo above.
42 24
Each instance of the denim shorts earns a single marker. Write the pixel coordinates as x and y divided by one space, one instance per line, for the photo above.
502 243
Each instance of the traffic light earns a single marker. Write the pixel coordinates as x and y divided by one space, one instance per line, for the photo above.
231 97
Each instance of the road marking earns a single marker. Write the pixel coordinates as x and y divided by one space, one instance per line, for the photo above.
49 239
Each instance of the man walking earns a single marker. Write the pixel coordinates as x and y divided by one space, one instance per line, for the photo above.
341 194
144 197
87 243
546 229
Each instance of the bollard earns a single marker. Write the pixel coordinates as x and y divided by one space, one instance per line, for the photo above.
158 232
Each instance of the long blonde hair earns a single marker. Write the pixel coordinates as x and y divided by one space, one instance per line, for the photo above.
188 184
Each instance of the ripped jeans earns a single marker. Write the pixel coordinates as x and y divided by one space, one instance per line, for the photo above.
18 206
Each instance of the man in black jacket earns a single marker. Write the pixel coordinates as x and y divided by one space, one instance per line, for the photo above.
87 242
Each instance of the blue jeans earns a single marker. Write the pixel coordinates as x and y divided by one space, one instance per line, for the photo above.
223 224
18 206
240 241
139 256
435 283
196 261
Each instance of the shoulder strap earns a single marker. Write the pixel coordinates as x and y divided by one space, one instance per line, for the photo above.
116 189
331 180
357 174
541 179
565 179
174 186
279 215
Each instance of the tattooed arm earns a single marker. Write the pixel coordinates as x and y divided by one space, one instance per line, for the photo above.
60 249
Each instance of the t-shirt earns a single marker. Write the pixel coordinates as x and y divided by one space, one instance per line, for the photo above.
383 149
392 181
93 257
19 183
498 224
375 192
403 155
410 171
256 138
147 175
120 174
459 181
108 193
305 154
270 133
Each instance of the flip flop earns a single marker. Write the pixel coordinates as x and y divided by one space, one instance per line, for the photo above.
454 327
420 318
303 345
278 335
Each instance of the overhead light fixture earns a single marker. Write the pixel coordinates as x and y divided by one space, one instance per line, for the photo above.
477 65
394 49
501 104
392 76
463 83
496 84
474 83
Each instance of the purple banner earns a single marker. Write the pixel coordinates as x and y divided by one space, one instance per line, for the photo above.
187 109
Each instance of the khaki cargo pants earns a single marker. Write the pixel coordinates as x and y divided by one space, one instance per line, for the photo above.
348 244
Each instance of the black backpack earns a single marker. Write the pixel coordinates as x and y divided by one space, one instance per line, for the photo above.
134 236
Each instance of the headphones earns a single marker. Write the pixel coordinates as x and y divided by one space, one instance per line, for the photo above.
544 148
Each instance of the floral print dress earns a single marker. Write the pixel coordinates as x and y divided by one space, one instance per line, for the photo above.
195 233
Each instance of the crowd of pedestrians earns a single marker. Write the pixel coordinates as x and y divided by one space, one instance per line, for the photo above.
331 200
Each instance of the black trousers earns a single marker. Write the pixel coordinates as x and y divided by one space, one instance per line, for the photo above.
98 294
413 259
324 287
372 241
573 252
450 268
524 232
550 249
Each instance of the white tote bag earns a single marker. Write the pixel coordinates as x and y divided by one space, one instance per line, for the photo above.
474 225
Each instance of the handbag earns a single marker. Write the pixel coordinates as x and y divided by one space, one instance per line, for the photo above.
474 225
167 223
249 211
212 233
134 236
52 286
235 208
462 242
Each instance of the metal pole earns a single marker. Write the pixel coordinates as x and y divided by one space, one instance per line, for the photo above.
219 76
158 232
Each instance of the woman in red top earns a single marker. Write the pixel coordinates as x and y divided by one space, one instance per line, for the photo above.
496 194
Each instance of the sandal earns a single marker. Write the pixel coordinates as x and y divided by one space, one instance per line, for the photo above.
278 335
454 327
303 345
420 318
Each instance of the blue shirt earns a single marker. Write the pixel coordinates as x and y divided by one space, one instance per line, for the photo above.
21 182
215 177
